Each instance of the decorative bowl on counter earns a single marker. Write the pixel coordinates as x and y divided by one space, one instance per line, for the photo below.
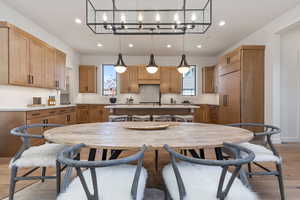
112 99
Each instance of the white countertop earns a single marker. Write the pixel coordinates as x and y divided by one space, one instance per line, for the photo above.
24 109
141 106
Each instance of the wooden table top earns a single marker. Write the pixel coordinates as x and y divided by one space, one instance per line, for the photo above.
113 135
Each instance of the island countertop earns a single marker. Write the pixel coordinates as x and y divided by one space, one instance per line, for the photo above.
152 106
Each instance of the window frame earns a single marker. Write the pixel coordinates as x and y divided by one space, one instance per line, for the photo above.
102 81
195 82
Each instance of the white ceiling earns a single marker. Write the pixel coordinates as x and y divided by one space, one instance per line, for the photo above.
242 18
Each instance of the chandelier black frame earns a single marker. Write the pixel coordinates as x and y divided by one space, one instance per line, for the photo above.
136 27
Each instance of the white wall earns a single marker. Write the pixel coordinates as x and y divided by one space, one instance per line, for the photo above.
269 35
21 96
290 85
163 61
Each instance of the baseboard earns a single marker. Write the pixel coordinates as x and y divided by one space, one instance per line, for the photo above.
289 140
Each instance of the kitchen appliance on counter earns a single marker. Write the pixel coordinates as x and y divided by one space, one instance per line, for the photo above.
112 100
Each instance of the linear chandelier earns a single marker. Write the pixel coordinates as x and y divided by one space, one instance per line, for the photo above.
186 20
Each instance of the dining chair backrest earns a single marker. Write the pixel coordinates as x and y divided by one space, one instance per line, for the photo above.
235 163
68 157
262 131
22 131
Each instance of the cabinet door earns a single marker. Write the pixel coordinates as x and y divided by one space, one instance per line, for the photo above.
37 131
165 86
18 58
4 55
60 66
87 79
133 79
95 113
230 105
36 61
175 81
124 82
208 80
71 118
82 114
49 75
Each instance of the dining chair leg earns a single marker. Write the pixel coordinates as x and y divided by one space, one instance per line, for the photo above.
12 185
92 154
58 177
185 152
156 160
219 155
202 154
250 170
280 181
104 154
43 173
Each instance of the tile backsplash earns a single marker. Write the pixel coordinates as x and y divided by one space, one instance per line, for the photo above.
121 98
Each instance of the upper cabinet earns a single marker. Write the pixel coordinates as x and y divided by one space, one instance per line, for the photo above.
208 80
87 79
28 61
129 80
170 80
146 78
60 69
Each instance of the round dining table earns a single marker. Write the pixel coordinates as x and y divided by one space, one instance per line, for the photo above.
117 135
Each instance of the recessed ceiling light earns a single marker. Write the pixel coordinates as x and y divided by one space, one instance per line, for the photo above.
130 45
222 23
78 21
199 46
99 45
169 46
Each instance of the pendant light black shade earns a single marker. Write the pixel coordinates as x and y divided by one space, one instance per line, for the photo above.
120 67
152 67
183 67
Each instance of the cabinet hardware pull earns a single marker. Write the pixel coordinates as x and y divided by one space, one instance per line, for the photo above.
32 79
225 100
36 114
29 79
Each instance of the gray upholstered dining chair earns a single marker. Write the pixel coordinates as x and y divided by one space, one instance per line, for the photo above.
105 180
194 179
265 152
34 157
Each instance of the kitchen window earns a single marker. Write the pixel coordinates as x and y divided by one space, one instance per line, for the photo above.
109 80
189 82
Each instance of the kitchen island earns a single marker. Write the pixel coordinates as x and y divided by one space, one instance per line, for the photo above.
152 109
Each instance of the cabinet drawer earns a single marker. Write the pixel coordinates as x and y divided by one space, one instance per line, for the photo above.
36 114
83 106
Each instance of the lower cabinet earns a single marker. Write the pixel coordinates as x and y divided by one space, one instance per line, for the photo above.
91 113
10 144
206 114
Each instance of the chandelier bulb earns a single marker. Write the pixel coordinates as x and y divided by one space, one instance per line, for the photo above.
157 17
104 17
194 17
123 18
140 17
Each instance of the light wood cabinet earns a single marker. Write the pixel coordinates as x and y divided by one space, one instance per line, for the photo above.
49 75
241 85
36 63
145 77
208 79
60 69
19 70
87 79
91 113
28 61
129 80
170 80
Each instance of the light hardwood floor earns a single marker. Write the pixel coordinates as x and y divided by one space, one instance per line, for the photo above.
266 187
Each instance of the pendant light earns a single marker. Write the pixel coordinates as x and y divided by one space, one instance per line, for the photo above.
120 67
183 67
152 68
